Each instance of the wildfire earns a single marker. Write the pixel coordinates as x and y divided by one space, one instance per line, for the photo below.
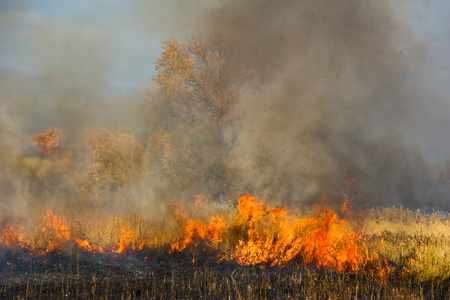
195 232
60 235
59 230
128 242
257 234
13 238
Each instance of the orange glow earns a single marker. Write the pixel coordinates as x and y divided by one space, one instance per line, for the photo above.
13 238
59 232
86 247
61 236
200 198
275 239
128 242
257 234
349 180
345 208
195 231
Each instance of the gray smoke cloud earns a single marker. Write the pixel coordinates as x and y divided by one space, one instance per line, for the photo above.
54 73
58 75
342 90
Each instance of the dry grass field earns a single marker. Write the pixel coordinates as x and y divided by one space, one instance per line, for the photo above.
404 254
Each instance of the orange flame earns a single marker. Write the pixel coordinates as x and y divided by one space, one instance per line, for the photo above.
195 231
61 236
274 239
258 234
128 242
86 247
13 238
59 231
255 234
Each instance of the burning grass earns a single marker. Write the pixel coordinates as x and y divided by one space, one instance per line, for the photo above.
257 234
92 239
251 251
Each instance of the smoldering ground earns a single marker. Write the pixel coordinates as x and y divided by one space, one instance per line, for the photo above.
341 88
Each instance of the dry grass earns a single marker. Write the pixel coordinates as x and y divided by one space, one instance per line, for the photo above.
405 221
417 243
416 246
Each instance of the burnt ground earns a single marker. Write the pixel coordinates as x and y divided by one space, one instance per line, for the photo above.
156 275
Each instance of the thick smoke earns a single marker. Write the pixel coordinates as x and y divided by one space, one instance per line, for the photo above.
341 91
56 77
59 75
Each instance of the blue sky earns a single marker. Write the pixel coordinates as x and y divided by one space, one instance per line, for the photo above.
131 50
135 46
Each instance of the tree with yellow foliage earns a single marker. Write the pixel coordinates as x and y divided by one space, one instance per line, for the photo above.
175 69
202 74
198 85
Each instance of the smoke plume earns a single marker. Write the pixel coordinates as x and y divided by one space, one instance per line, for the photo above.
340 91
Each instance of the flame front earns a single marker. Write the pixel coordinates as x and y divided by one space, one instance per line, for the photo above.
60 235
128 242
195 232
257 234
13 238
